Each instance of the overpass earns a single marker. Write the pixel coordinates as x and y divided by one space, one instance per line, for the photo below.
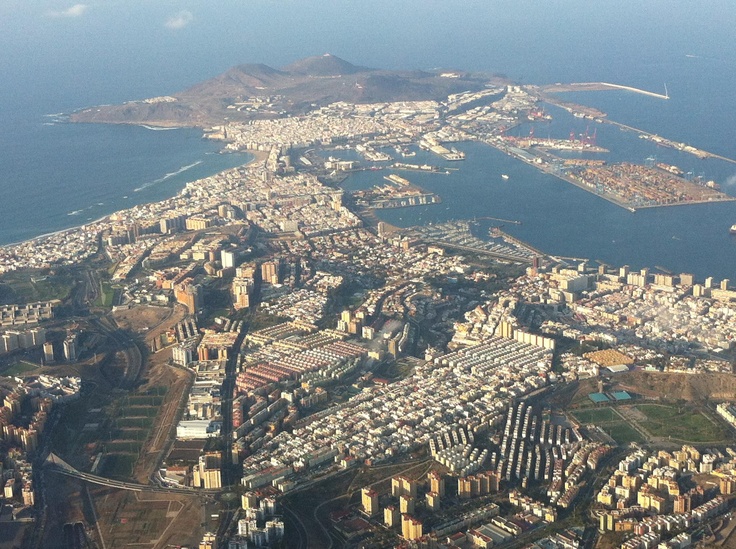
55 464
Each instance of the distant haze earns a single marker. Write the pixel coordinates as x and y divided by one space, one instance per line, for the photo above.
67 54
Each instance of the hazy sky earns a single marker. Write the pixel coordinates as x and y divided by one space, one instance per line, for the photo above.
112 48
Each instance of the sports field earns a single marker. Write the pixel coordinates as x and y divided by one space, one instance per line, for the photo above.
645 422
681 424
616 426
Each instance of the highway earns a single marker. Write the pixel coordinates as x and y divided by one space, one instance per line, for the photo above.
230 475
55 464
133 358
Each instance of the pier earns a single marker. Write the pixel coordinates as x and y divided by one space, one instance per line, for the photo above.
527 158
520 243
401 193
617 199
423 199
637 90
426 168
599 86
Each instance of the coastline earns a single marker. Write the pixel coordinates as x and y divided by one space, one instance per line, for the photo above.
258 157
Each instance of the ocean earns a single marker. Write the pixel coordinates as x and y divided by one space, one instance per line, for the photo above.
60 175
54 176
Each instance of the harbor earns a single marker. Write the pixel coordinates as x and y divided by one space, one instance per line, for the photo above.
398 193
616 184
557 217
460 235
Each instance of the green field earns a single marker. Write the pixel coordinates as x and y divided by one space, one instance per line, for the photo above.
134 422
597 415
622 432
26 287
124 446
106 295
681 423
118 465
20 368
139 411
613 424
130 434
144 400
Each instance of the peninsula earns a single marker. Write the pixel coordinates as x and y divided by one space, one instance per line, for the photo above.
325 101
257 91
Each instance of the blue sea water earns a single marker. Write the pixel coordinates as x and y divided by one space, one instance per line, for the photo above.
56 176
563 220
54 62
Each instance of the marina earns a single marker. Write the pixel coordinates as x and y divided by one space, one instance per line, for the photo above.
460 235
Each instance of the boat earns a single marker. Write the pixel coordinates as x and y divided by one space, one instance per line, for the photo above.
733 229
504 177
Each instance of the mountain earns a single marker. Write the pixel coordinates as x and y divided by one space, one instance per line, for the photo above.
244 76
257 91
323 65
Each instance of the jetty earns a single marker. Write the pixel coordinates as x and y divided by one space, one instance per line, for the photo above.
599 86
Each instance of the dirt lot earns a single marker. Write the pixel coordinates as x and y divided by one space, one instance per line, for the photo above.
121 518
149 320
158 374
133 429
147 520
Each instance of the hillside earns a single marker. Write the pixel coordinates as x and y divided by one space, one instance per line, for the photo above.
254 91
662 385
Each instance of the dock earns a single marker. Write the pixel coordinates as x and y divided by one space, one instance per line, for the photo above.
424 199
636 90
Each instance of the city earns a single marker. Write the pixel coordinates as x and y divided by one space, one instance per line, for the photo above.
259 361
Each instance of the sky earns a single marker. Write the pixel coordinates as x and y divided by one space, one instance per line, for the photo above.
67 51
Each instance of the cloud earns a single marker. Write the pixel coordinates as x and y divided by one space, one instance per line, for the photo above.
731 181
179 20
76 10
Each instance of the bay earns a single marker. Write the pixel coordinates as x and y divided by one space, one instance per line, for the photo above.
561 219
